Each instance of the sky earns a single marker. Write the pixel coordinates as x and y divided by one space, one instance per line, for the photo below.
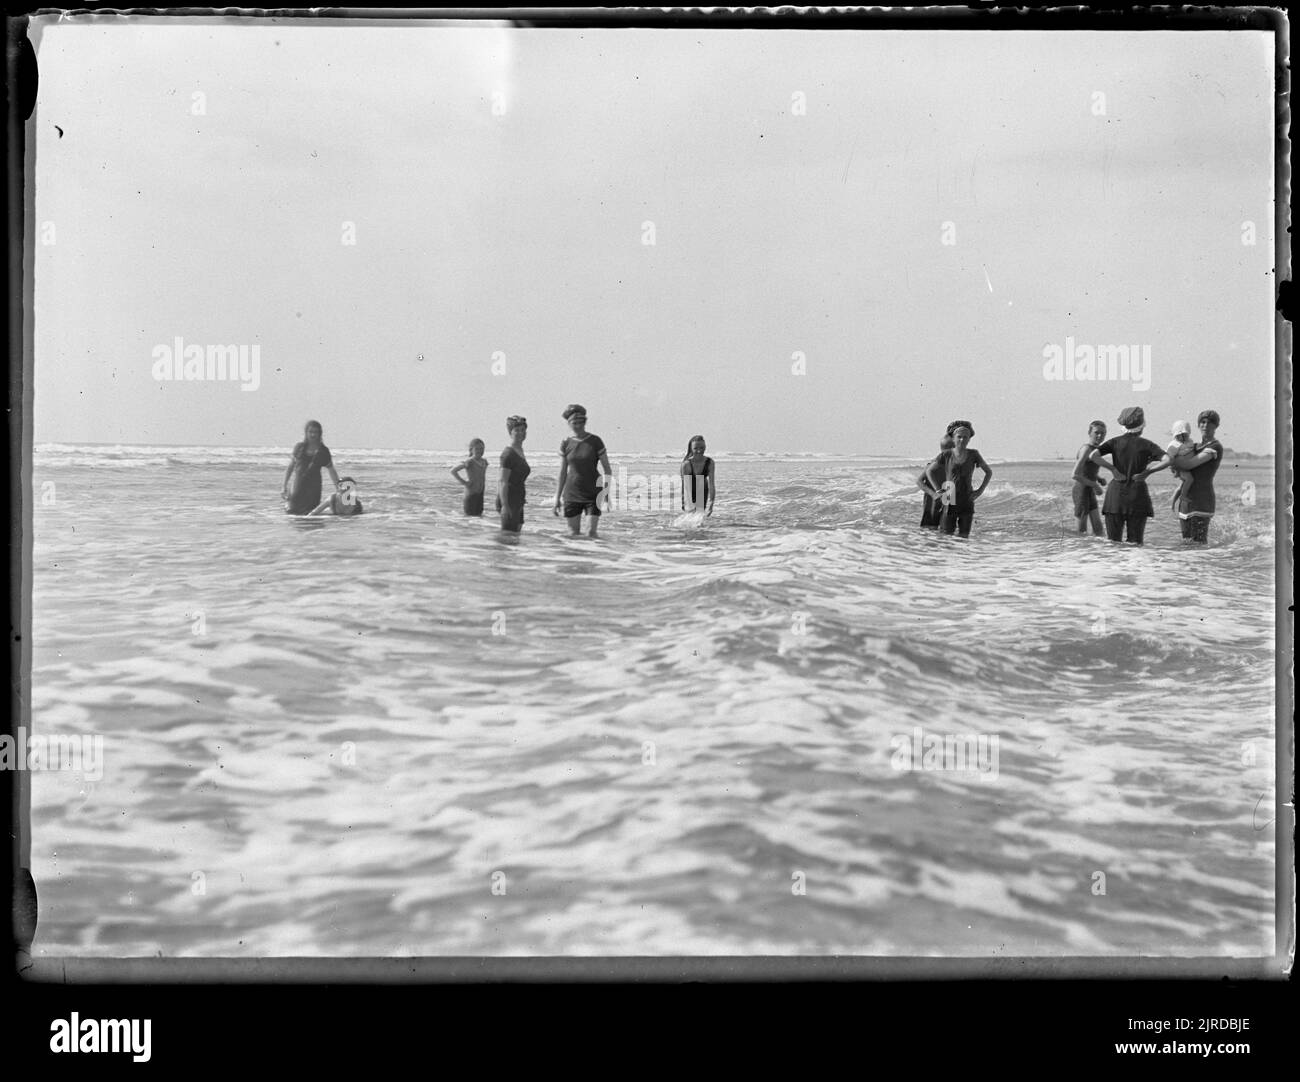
804 241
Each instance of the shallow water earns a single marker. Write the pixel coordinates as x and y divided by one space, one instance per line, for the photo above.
404 734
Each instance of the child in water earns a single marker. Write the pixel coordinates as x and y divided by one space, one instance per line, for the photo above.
476 467
1087 485
1180 449
343 503
698 492
929 482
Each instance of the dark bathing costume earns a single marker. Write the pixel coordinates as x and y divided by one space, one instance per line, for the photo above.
583 457
304 493
961 512
512 514
1199 496
1085 495
1128 503
688 470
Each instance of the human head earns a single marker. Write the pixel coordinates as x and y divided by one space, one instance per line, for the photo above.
1207 419
690 445
306 430
961 436
1097 432
957 424
1133 419
515 421
576 416
477 446
945 442
1180 430
343 507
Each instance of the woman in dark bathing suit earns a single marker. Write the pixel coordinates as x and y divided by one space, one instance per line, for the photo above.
581 456
514 472
309 458
1196 507
1128 503
957 468
701 488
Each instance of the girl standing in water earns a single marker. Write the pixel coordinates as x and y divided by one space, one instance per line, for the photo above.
957 468
514 472
309 458
698 492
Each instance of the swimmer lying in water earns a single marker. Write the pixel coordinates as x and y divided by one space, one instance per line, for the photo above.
343 503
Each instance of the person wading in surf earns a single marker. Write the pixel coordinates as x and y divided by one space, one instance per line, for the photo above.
1128 503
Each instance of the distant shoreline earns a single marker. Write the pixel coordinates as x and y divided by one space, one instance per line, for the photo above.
460 452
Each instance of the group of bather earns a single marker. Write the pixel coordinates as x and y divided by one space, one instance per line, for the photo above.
577 492
947 481
950 499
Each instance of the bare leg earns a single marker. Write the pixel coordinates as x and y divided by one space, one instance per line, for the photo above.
1095 516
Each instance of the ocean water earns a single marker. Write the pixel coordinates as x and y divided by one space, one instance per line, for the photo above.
404 734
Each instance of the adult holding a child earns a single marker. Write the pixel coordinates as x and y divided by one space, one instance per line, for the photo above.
1128 503
1196 504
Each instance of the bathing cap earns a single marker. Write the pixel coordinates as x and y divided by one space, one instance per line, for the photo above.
1133 417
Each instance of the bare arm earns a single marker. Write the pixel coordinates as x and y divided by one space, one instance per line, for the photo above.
1198 459
713 488
988 475
603 494
1084 456
333 474
455 472
559 484
503 484
926 485
1163 464
1104 461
